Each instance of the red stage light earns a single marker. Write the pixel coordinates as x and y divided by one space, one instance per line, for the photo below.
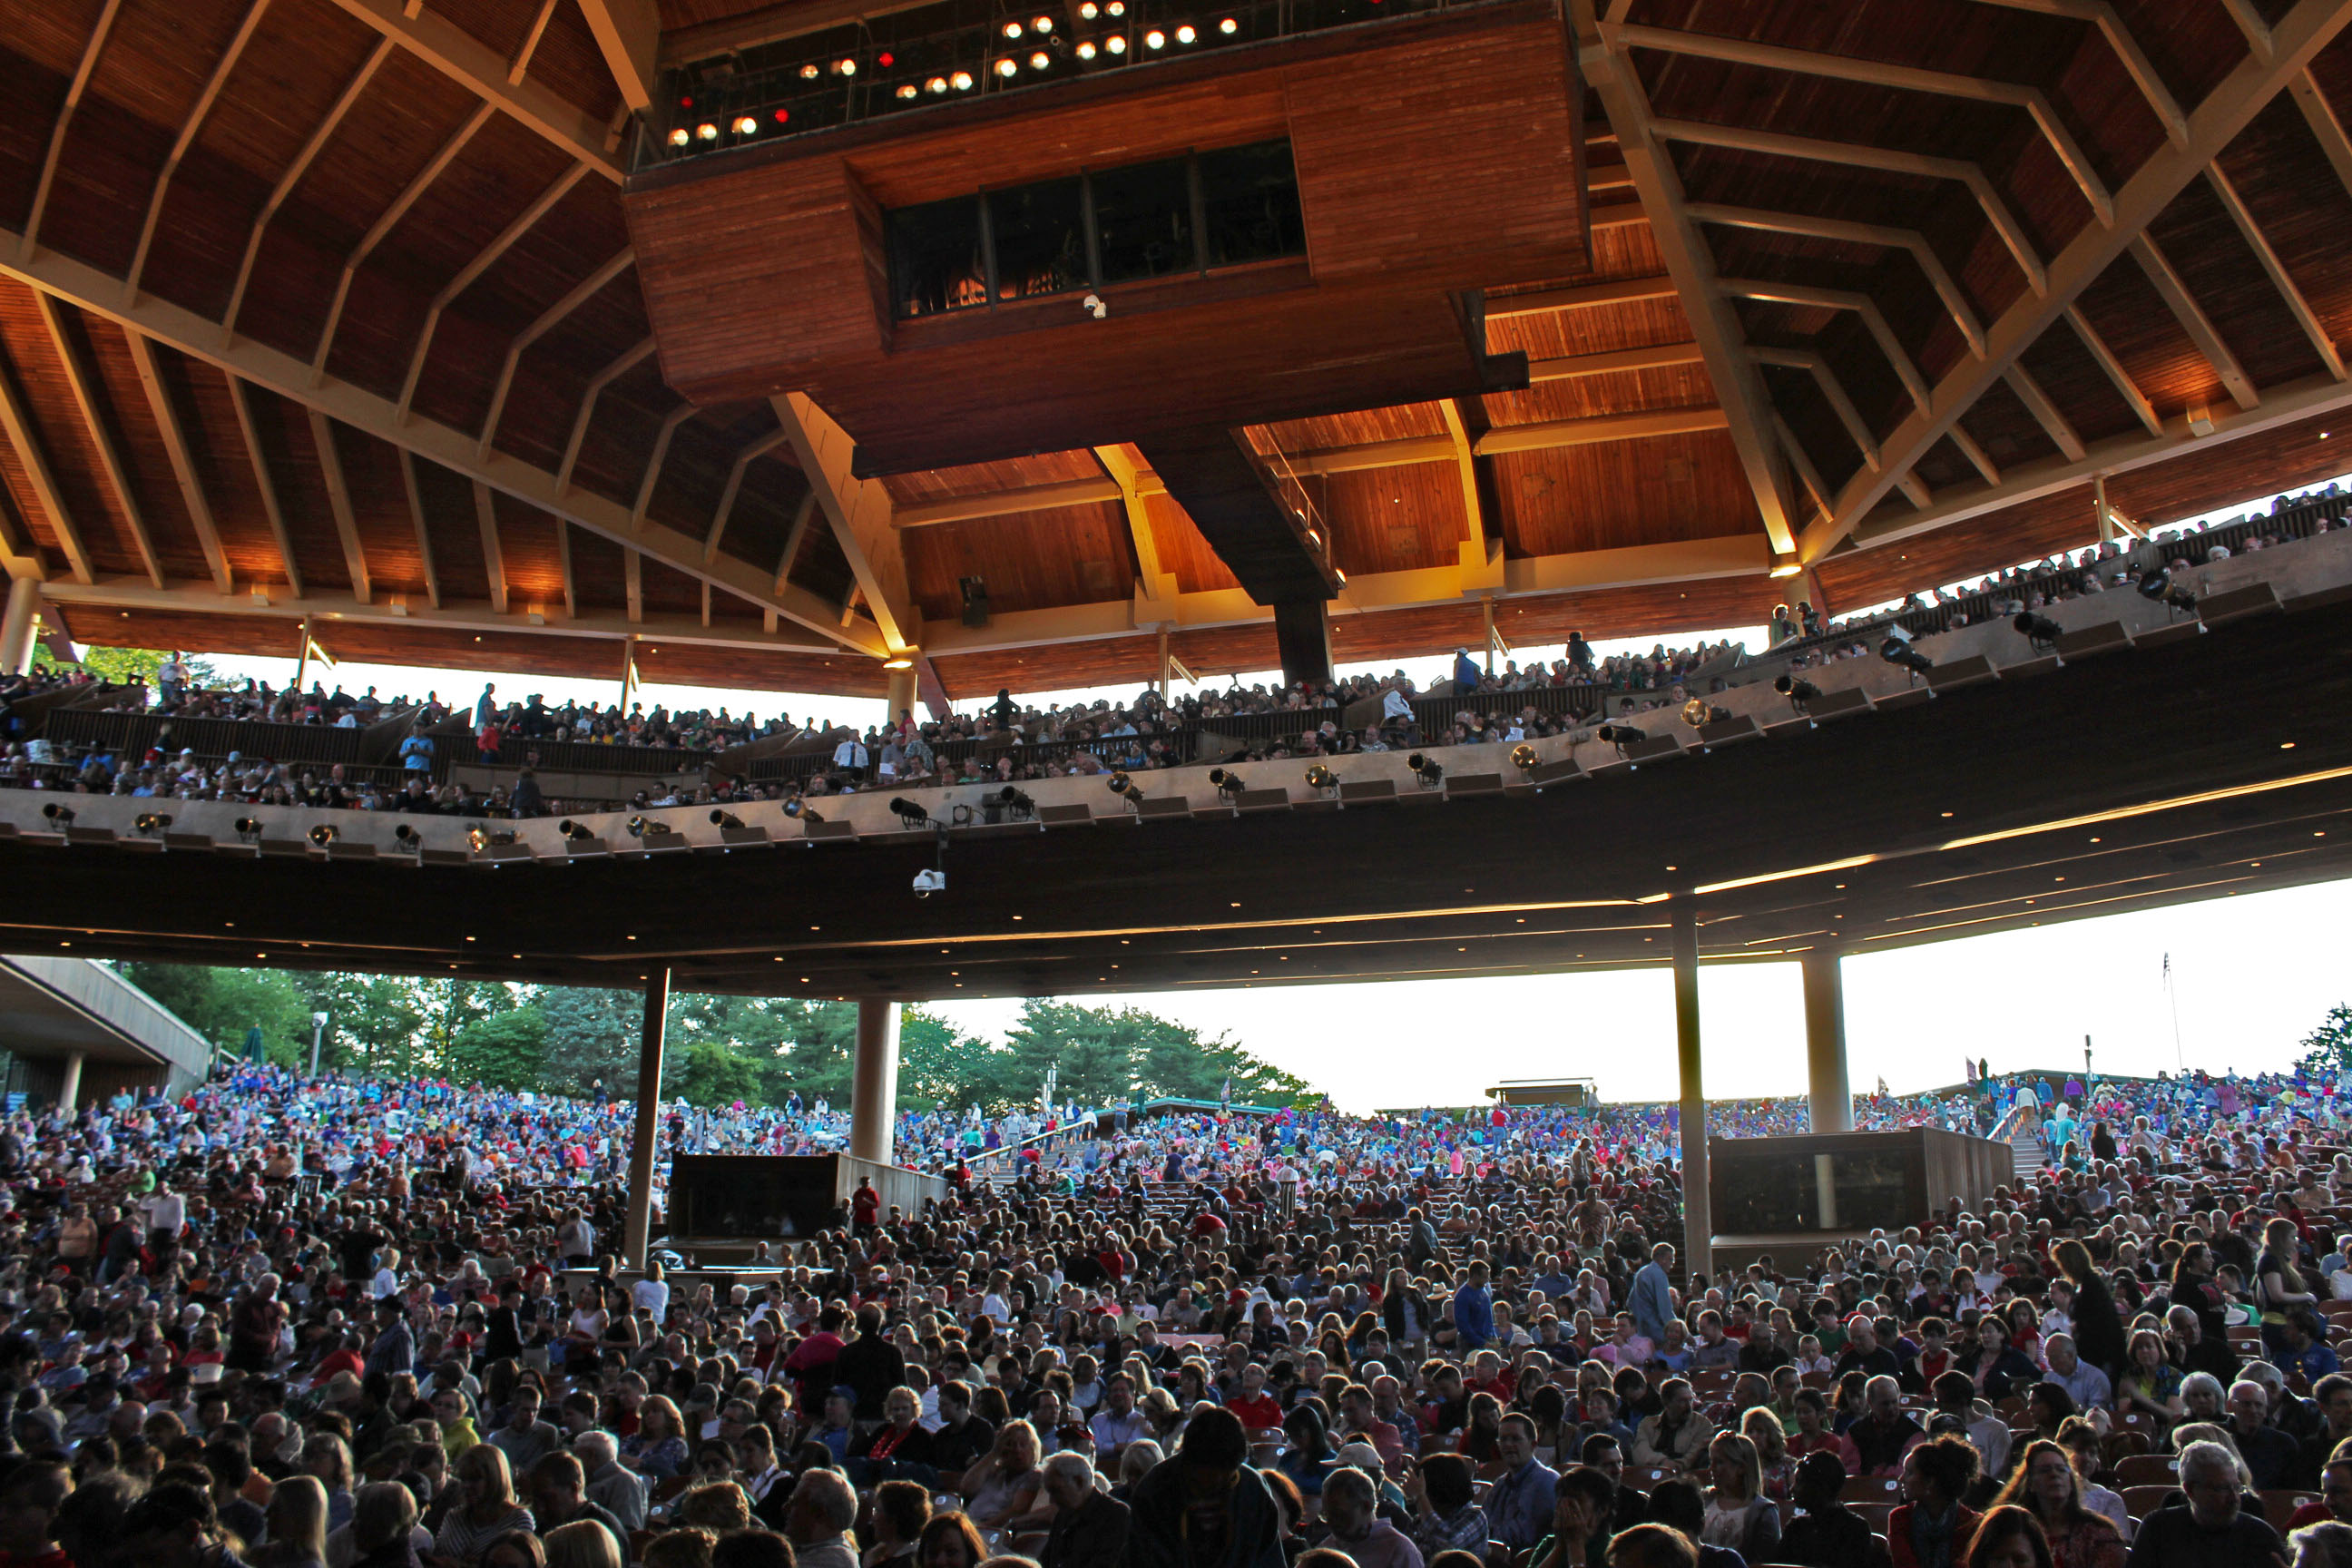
782 115
686 103
886 59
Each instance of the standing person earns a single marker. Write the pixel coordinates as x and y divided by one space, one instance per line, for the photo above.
2279 1289
1651 1297
1206 1508
2098 1327
255 1324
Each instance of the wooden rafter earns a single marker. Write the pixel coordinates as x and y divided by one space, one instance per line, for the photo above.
1482 535
74 90
1907 371
1800 459
417 519
2193 320
1715 325
725 510
339 503
324 134
633 582
1832 391
386 222
587 288
2135 60
35 459
2304 317
2046 413
2260 37
1856 155
1880 236
1580 297
858 512
195 122
1027 498
628 34
93 412
619 366
472 271
1126 475
670 422
2125 388
240 397
2226 109
519 67
1610 361
1554 434
183 463
2320 115
494 559
793 538
1879 73
564 564
1979 458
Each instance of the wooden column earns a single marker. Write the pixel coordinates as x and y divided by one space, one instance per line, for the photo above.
645 1134
17 625
873 1093
1698 1223
1831 1097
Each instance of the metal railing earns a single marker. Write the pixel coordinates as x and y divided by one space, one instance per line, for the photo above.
213 738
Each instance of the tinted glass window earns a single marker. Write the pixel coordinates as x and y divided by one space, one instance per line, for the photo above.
935 257
1143 221
1040 236
1249 198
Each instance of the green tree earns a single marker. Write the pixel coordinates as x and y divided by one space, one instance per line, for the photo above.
2327 1049
709 1073
934 1062
592 1033
224 1005
130 666
373 1021
505 1049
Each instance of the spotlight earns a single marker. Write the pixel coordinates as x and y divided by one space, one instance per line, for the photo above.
680 137
61 815
1227 782
1155 39
1897 650
1229 26
323 835
578 832
707 130
2156 583
408 838
1088 11
1115 43
937 84
1012 29
249 830
795 808
886 59
1523 757
960 81
2039 631
906 91
783 116
637 826
909 813
480 838
1040 60
725 819
809 72
1085 51
1014 801
1797 689
1008 67
1624 737
1116 8
1044 24
1700 711
847 68
1124 787
151 824
1185 35
1429 773
747 126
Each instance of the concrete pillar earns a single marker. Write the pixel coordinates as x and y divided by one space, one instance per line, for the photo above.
637 1238
874 1095
1698 1222
901 692
17 625
70 1086
1831 1095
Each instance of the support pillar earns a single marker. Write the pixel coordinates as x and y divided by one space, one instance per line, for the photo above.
901 689
1698 1220
637 1241
17 625
1830 1096
70 1086
1302 636
874 1094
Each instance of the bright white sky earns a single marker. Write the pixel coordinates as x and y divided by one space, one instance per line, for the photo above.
2252 975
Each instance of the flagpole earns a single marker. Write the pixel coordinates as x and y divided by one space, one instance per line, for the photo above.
2174 997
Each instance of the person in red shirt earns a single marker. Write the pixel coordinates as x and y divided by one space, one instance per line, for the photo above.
1259 1411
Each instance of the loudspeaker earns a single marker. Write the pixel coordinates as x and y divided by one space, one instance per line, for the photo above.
975 600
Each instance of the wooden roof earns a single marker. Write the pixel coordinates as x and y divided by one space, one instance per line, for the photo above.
318 308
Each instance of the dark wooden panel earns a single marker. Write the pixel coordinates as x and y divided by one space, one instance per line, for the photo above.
380 509
1030 561
1394 520
1183 552
57 425
139 444
1619 493
2226 277
2124 308
209 416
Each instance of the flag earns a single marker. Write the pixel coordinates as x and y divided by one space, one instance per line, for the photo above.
2168 966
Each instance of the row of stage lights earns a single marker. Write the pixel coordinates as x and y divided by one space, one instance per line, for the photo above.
1183 35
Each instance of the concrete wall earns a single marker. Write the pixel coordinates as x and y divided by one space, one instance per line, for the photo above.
180 1057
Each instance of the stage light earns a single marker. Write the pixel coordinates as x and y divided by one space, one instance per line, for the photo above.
2039 631
688 103
795 808
1014 801
1088 12
809 72
61 815
747 126
680 137
2156 583
1897 650
1185 35
637 827
1115 43
1012 29
725 819
1430 773
1124 787
151 824
1008 67
1155 39
847 68
578 832
886 59
937 84
707 130
1322 779
908 90
478 839
1797 689
783 115
408 838
1624 737
1226 782
1524 758
1229 26
909 813
1044 24
323 835
1116 8
961 81
1040 60
1085 51
249 830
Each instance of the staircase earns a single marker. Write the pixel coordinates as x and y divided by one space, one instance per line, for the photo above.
2027 1155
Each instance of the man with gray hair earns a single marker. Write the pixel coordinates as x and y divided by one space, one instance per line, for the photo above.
1091 1526
2085 1383
1351 1501
817 1521
618 1490
2212 1532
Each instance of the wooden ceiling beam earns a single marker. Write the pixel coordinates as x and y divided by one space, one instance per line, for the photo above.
1907 371
1482 534
616 368
1885 160
1398 454
519 67
794 537
240 397
1580 297
47 179
2281 280
386 222
1557 433
2046 413
2320 115
2226 111
751 452
1005 503
2261 40
858 511
564 565
416 520
670 422
1834 390
43 481
482 72
94 420
633 585
183 463
628 33
1979 458
189 127
1798 459
587 288
370 415
1715 325
1879 236
1128 475
1879 73
323 133
2134 59
494 558
2173 292
522 224
2125 388
1657 356
339 503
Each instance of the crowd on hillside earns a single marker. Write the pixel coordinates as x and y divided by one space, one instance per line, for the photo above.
297 1324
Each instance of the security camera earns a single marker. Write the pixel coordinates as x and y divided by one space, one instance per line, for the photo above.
929 882
1094 307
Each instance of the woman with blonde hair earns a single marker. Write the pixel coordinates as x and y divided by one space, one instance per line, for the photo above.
485 1508
295 1535
329 1458
1738 1515
582 1543
1004 1484
1761 1427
